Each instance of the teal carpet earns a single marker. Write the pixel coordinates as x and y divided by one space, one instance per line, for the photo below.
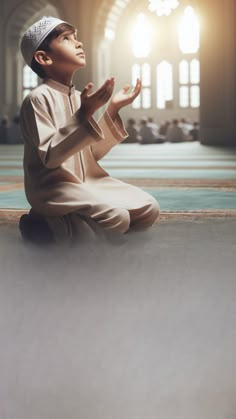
162 170
169 200
192 200
171 174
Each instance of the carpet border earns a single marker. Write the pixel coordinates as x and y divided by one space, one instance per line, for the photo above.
11 216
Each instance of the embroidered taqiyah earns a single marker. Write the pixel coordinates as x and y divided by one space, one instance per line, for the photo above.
35 35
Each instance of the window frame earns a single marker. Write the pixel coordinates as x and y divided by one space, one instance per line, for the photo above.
189 85
33 80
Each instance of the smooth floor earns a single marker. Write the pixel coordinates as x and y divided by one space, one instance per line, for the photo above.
142 327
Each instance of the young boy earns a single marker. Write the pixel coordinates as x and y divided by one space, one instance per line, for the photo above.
64 183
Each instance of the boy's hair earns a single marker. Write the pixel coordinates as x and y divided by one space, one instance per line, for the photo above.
45 46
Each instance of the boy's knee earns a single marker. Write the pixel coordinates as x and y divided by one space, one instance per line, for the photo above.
124 221
121 220
154 211
147 215
117 221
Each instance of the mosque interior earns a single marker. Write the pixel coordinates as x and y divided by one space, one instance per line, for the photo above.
141 326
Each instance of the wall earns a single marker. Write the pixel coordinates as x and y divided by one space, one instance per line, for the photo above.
218 73
15 17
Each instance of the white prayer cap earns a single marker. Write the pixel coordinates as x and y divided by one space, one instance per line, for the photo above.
35 34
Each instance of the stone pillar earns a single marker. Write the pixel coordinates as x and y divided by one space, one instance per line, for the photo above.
80 14
218 72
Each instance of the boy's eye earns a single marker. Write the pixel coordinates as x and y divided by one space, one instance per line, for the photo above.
67 37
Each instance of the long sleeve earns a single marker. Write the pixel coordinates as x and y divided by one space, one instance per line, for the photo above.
114 133
55 145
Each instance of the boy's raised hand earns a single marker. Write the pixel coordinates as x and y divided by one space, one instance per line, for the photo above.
123 98
91 102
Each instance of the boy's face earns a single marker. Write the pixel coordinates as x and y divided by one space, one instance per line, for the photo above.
66 52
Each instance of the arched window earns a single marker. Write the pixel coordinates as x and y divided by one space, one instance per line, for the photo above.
30 80
142 71
164 84
146 83
195 81
189 32
184 72
136 73
189 79
195 71
194 96
141 37
169 77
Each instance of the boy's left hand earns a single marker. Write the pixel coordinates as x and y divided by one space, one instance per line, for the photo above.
123 98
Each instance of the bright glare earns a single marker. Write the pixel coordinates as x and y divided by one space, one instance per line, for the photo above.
109 34
164 84
141 37
184 72
30 79
163 7
195 71
189 32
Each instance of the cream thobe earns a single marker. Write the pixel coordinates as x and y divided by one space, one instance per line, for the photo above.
61 154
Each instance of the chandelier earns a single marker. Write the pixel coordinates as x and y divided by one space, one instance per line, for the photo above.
163 7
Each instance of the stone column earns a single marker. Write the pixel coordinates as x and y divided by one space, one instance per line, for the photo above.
218 72
80 14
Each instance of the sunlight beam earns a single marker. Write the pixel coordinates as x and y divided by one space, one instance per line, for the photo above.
141 37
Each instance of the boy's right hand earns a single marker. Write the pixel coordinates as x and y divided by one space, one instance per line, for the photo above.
90 103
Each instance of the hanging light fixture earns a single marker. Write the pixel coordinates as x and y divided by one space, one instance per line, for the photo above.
163 7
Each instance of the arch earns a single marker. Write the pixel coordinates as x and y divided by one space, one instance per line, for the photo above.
24 15
108 16
110 11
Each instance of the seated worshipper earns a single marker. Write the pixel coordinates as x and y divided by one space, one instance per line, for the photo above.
186 127
174 133
4 130
15 135
194 133
158 139
146 135
131 131
64 183
163 128
154 127
163 131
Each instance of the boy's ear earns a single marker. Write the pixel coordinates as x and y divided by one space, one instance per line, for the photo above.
42 58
